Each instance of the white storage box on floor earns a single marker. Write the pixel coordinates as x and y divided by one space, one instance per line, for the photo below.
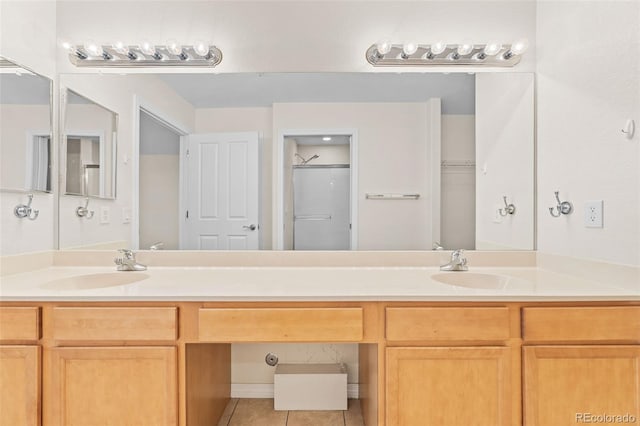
310 387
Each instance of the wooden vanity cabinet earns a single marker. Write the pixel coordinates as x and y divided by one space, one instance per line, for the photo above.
20 366
111 365
450 366
580 361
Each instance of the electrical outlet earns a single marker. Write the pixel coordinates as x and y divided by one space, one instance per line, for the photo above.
593 214
105 215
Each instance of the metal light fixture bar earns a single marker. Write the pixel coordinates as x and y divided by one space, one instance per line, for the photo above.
424 56
133 56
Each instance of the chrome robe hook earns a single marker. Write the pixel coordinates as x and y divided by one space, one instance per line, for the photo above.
25 210
563 207
508 208
84 211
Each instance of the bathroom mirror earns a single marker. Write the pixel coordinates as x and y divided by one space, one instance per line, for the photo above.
25 129
219 161
89 148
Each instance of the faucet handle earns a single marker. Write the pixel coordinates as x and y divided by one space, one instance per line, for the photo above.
457 254
128 254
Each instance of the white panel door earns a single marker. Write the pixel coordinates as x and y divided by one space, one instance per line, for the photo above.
222 193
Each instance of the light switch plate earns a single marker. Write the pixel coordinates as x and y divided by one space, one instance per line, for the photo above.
593 214
126 215
105 215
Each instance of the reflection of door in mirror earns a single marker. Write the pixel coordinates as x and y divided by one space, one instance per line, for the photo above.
83 174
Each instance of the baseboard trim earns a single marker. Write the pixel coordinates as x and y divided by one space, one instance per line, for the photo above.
265 390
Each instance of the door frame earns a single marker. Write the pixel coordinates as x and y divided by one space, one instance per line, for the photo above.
141 104
278 188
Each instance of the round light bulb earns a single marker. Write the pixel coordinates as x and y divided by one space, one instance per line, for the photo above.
492 48
201 48
383 47
67 46
438 47
147 48
120 47
173 47
409 48
92 48
519 46
464 48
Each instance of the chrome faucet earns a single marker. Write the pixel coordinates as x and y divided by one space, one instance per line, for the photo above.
128 261
457 263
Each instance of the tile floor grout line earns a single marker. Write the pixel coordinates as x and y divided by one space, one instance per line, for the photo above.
233 411
286 421
344 417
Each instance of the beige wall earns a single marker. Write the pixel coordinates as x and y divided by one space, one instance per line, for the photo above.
458 195
16 123
328 154
393 157
159 200
211 120
117 93
290 148
582 103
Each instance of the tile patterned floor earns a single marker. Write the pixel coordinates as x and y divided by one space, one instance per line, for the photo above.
260 412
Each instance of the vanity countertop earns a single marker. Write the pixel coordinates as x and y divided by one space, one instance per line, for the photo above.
310 284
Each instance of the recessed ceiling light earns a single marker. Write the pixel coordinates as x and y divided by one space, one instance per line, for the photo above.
326 138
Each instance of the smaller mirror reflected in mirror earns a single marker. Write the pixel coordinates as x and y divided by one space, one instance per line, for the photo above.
89 149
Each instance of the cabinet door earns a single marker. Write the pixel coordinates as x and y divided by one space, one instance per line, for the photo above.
468 386
123 386
565 384
19 385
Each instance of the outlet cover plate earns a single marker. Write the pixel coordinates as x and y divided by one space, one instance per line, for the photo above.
105 216
593 214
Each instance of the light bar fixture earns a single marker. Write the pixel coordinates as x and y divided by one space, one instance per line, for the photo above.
491 54
146 54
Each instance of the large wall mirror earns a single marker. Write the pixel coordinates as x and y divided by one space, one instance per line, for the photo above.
327 161
25 129
89 148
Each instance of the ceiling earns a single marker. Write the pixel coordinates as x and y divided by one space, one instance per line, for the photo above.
457 91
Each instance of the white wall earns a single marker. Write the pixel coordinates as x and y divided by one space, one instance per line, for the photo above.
28 37
505 138
588 85
268 36
117 93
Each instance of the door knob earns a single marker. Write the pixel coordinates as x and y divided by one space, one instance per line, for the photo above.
251 227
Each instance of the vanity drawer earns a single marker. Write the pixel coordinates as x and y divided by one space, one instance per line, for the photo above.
281 325
570 324
440 324
115 324
19 324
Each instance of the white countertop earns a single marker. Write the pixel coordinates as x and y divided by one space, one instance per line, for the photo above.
311 284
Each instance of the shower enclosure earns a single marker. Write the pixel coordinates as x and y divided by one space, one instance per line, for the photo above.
321 207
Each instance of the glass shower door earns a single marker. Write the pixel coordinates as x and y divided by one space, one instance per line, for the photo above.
321 206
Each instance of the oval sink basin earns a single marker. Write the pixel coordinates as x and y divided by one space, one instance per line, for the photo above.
93 281
472 280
